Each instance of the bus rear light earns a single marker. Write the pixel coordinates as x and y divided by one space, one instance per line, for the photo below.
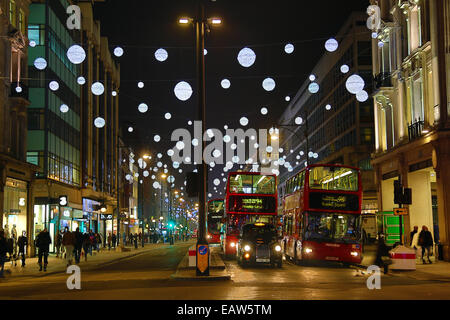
308 250
354 253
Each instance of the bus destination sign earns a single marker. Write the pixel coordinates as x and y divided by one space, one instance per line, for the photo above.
330 201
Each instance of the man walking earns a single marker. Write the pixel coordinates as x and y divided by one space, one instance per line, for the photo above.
59 244
43 242
109 240
22 243
68 242
78 245
86 245
113 238
426 242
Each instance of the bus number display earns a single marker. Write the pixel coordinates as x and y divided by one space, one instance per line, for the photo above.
329 201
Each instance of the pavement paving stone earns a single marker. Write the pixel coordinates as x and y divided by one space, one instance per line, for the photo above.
59 265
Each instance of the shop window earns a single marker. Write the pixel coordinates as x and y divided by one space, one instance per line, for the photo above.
15 206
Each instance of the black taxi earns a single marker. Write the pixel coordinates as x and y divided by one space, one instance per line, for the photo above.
259 243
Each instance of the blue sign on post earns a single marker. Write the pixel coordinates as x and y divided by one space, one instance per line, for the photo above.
202 250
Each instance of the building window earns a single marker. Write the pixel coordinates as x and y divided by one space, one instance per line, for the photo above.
414 29
367 136
13 13
22 24
417 112
36 33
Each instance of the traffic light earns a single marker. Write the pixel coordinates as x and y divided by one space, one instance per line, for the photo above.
398 192
192 187
171 224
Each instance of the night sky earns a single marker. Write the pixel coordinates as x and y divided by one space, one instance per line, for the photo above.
142 26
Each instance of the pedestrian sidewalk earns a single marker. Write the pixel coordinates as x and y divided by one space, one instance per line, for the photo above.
436 271
59 265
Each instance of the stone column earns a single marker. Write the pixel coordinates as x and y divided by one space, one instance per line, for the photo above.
441 163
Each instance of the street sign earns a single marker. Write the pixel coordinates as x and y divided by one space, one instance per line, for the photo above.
400 211
202 257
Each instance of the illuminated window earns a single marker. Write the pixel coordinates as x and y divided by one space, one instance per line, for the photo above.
22 24
414 29
13 13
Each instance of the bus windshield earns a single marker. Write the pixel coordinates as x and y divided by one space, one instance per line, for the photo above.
333 227
236 221
251 184
333 178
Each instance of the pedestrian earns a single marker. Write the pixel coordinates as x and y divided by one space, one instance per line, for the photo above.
43 242
3 250
416 228
124 237
59 244
426 242
140 236
92 242
86 245
109 240
22 243
98 241
113 238
78 245
382 258
135 239
68 242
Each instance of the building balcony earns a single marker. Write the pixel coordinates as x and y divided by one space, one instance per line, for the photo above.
416 130
382 80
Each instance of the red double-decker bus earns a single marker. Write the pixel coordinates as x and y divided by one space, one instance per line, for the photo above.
214 220
322 214
250 197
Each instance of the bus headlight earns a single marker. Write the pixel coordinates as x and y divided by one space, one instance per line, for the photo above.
308 250
277 248
232 244
354 253
208 237
247 247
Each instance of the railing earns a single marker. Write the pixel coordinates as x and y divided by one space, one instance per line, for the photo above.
415 130
382 79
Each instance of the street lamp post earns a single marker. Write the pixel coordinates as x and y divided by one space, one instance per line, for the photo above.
202 256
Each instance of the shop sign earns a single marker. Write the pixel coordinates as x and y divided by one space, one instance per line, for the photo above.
106 216
78 214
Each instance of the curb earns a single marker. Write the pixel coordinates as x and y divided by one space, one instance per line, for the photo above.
200 278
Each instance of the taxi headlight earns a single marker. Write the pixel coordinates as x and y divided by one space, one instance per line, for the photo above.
247 247
232 244
277 248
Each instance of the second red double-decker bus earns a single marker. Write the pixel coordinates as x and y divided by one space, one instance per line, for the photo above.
321 214
214 220
250 197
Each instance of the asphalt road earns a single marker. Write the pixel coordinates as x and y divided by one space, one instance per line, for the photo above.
148 276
